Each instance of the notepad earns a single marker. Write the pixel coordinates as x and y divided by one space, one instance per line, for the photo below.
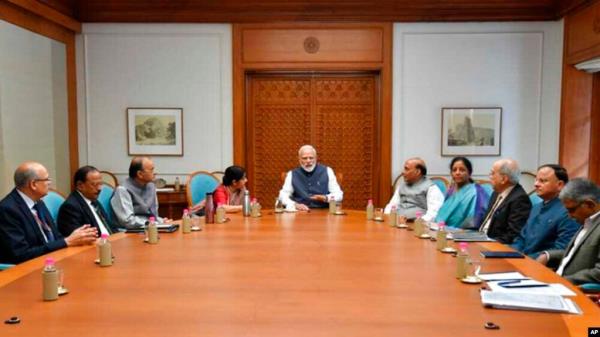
471 237
502 255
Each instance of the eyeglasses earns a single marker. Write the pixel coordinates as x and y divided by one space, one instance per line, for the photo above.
46 180
572 209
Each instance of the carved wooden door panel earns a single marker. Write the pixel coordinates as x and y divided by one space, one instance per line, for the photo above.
337 113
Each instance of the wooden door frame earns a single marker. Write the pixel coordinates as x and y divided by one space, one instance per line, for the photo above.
383 66
48 22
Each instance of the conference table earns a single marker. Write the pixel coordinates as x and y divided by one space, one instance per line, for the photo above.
292 274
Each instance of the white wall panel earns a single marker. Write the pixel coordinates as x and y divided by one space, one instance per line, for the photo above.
155 65
515 66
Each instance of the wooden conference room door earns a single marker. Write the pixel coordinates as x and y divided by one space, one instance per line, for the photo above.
335 112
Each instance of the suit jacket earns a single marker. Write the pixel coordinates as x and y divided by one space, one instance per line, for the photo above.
20 235
510 217
584 266
75 212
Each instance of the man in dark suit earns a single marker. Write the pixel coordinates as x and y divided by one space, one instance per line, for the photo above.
82 206
509 205
580 261
26 227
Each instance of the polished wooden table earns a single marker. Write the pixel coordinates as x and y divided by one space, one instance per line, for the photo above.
305 274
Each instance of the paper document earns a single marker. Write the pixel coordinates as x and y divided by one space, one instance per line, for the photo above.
535 302
531 287
512 275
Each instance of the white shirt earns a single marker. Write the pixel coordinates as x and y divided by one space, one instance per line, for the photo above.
435 199
287 190
578 239
30 203
103 229
499 200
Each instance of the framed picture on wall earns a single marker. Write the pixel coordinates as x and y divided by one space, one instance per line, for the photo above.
155 131
471 131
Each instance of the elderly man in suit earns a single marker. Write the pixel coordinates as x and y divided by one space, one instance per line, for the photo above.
580 261
26 227
509 205
82 206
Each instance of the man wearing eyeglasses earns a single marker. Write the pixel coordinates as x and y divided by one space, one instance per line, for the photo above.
26 227
135 201
580 261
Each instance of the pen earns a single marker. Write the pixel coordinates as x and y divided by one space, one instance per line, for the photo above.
525 286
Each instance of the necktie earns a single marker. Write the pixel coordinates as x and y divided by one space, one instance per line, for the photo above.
484 226
100 213
40 220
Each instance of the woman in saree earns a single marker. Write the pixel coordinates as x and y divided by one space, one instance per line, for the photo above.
466 202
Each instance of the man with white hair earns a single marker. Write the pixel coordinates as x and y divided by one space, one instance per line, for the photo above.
579 262
311 185
509 205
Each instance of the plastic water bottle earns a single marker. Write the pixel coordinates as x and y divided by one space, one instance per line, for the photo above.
186 222
104 251
152 231
461 260
49 281
370 209
246 203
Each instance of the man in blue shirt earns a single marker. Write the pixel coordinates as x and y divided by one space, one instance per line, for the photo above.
549 225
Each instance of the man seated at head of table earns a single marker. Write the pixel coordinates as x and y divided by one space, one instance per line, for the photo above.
579 262
549 225
465 201
135 200
311 185
416 193
509 205
26 227
82 206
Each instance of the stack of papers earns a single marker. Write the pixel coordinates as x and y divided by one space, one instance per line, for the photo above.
551 303
514 290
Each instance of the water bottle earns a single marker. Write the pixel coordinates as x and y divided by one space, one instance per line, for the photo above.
370 209
177 184
104 251
209 209
417 224
461 260
186 222
393 216
331 205
441 241
49 281
152 231
255 208
220 213
246 203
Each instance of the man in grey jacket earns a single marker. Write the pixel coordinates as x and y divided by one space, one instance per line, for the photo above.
135 201
580 261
